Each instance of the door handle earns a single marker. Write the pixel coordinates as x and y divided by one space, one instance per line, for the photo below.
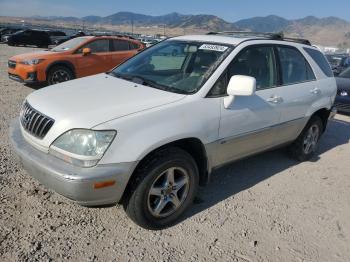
315 91
275 99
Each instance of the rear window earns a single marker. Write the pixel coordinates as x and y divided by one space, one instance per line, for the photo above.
320 60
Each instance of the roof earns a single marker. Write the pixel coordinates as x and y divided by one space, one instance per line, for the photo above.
213 38
235 38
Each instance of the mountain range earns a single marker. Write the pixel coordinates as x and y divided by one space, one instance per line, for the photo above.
326 31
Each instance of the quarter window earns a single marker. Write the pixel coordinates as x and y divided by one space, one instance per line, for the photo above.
133 46
294 67
320 60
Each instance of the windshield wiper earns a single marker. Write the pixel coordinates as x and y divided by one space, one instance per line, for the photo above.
147 82
118 75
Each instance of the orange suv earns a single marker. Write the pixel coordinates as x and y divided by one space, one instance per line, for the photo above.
78 57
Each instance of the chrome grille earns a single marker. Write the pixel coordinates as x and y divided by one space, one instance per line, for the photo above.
35 122
11 64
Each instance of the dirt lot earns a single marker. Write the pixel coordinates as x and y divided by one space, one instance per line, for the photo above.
266 208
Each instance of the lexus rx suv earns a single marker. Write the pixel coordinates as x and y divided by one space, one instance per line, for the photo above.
148 133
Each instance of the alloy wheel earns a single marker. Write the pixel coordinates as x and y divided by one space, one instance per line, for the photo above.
311 139
59 76
168 192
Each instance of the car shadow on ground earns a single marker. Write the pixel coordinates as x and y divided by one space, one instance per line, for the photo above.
241 175
36 86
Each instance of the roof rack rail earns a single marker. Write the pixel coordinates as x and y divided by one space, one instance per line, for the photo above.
271 36
111 34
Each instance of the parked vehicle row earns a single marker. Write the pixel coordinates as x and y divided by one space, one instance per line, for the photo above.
149 132
78 57
342 101
5 32
338 62
35 37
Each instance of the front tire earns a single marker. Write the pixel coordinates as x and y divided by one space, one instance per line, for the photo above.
305 146
59 74
164 186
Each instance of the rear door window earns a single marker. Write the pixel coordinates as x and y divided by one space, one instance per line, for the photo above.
98 46
294 67
320 60
120 45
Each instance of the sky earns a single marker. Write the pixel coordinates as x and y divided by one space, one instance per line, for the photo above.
230 10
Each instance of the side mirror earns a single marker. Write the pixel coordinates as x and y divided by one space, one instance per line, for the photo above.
239 85
86 51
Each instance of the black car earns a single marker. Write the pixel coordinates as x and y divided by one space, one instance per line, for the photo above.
344 63
342 100
56 36
6 32
59 40
34 37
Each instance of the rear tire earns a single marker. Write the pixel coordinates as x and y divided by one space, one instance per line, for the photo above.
305 146
163 187
59 74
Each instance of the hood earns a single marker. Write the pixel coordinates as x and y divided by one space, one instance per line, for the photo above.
35 55
90 101
343 83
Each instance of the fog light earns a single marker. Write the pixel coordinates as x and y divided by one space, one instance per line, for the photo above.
31 76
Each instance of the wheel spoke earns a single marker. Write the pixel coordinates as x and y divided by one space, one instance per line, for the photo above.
181 183
175 200
156 191
160 206
170 176
308 146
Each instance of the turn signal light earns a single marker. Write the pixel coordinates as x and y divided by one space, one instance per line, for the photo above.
104 184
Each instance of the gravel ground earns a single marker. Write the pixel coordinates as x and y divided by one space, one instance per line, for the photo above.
265 208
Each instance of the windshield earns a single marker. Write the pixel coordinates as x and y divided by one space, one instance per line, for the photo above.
345 73
174 66
70 44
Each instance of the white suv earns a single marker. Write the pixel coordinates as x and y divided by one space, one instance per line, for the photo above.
149 132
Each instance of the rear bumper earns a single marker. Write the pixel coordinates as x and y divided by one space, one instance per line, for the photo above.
75 183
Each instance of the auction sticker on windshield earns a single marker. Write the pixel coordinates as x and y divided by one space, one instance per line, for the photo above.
218 48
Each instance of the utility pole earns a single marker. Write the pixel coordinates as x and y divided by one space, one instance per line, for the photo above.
132 26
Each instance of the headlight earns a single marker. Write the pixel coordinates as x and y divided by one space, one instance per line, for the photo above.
32 61
82 147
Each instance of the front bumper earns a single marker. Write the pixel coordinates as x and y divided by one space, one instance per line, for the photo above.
75 183
32 79
28 74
